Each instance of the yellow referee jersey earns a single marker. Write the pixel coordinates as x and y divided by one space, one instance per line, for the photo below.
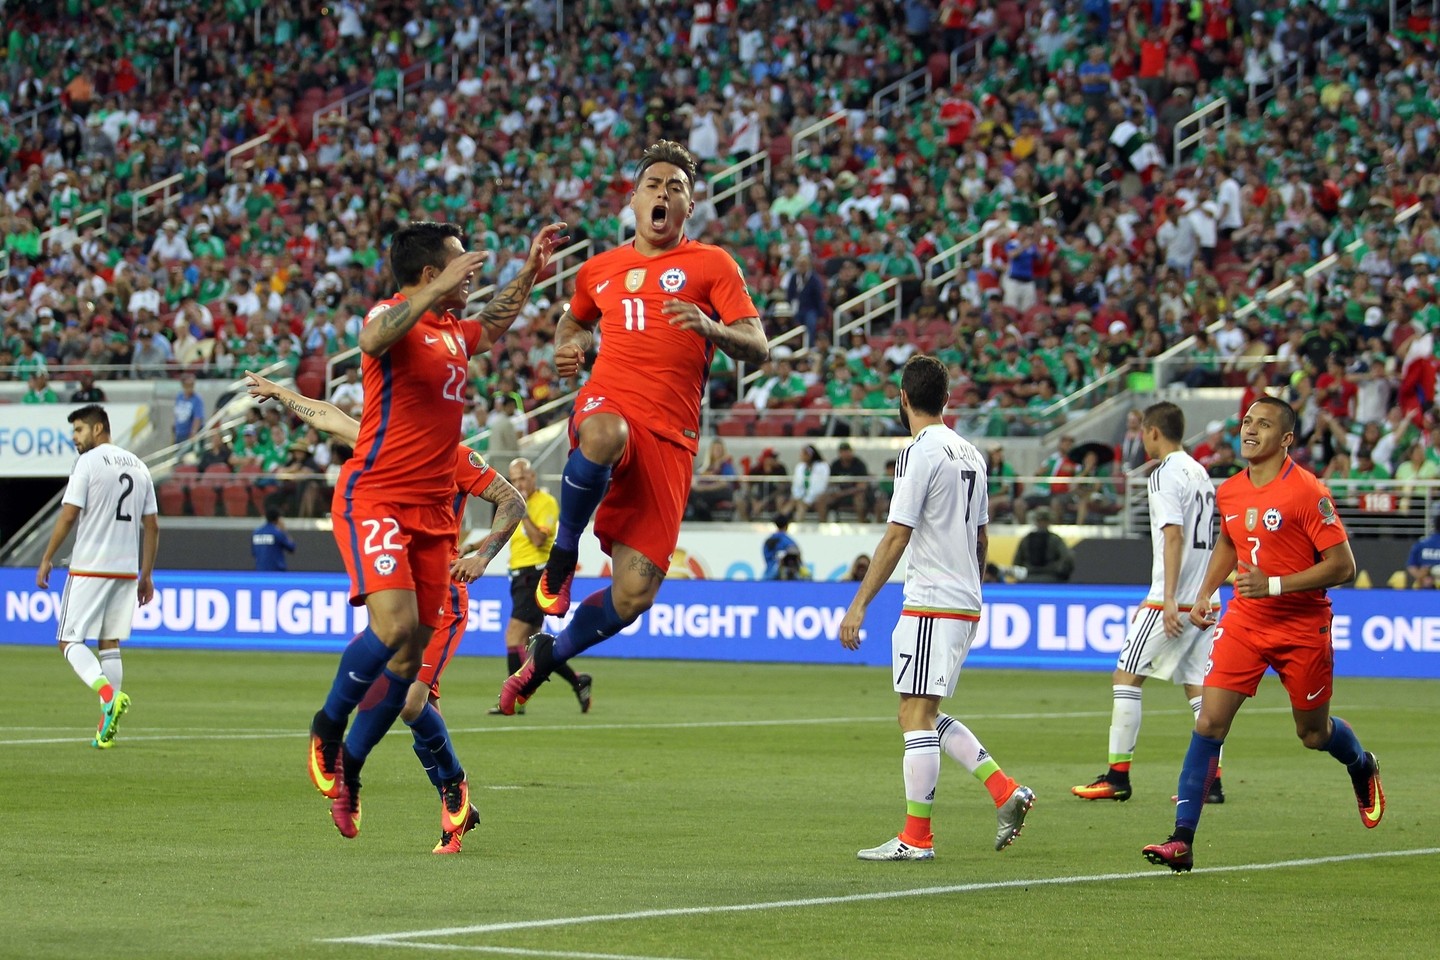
543 511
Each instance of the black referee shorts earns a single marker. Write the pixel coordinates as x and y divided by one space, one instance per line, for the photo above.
522 596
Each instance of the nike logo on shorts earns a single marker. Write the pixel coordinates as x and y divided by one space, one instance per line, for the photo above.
1312 696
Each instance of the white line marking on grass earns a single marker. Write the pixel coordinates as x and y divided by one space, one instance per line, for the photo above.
267 734
388 939
521 951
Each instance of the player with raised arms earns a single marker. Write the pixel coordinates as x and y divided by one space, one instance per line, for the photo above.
1286 545
473 477
1162 642
393 514
663 304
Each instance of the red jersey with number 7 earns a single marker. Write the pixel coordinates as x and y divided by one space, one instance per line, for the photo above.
656 373
410 422
1280 528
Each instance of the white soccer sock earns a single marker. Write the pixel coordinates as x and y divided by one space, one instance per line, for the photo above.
922 767
82 661
1124 722
960 744
112 667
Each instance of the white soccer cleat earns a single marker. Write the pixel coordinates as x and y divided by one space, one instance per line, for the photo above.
897 849
1010 816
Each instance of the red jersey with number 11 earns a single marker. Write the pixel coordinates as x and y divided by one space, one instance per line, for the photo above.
654 371
410 423
1280 529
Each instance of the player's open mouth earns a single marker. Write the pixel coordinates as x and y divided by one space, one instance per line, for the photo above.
658 215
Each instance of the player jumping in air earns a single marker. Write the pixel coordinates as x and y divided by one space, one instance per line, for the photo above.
1280 535
393 511
663 304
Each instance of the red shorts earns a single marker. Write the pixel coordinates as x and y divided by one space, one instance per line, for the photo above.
1302 655
397 546
446 638
648 487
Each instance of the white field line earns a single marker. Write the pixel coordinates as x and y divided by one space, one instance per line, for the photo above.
521 951
244 734
400 938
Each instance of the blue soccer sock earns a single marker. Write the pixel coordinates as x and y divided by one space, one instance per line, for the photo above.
360 664
427 759
1345 746
1196 775
429 729
372 723
595 620
582 486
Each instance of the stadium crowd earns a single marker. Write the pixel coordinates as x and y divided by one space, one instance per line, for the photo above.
502 116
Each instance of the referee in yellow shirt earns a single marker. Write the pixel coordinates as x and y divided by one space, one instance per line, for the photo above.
529 549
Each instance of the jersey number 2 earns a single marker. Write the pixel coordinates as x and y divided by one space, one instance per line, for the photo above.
455 384
128 482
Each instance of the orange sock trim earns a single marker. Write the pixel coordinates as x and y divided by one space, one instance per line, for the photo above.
1000 786
916 832
1121 767
107 693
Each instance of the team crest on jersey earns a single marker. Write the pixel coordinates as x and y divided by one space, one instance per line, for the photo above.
592 404
449 342
384 564
1271 520
635 279
1327 510
1252 517
476 461
672 280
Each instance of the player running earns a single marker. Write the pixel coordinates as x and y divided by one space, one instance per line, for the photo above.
941 511
393 514
1276 520
1160 643
663 304
111 496
473 477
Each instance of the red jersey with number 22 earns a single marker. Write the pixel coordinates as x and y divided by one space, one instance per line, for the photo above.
414 397
655 372
1281 529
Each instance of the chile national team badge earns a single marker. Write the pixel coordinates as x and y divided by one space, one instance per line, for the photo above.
672 280
1271 519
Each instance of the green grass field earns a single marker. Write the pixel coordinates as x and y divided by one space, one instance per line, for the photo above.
699 811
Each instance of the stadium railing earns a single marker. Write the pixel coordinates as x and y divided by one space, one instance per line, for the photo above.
169 188
1216 113
812 132
897 96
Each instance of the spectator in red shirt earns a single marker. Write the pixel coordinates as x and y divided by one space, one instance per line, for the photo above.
1335 391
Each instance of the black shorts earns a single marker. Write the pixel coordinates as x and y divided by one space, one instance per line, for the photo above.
522 596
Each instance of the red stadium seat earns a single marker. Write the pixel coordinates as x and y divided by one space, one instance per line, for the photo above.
732 427
203 498
237 499
311 384
770 427
171 495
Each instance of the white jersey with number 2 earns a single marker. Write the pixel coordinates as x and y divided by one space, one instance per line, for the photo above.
113 489
1181 494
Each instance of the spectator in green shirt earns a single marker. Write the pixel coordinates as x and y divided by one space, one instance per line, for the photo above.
29 362
40 391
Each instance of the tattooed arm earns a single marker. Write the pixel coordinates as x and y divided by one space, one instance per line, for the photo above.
744 340
323 416
509 509
385 328
500 313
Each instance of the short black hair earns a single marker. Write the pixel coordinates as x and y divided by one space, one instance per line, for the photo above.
272 514
927 383
418 246
93 414
1283 410
1166 417
668 151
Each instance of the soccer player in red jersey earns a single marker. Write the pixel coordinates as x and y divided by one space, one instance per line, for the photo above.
663 304
392 512
1276 520
473 477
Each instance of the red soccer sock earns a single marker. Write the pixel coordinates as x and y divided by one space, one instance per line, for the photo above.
1122 767
916 832
107 693
1000 786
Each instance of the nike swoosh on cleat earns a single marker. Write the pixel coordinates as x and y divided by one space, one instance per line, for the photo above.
1373 814
318 775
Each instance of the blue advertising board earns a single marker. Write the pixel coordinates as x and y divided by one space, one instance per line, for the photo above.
1377 633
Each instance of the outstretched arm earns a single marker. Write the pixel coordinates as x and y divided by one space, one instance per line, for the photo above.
500 312
509 509
385 328
323 416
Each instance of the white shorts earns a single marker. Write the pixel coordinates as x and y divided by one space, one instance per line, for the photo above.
927 653
97 608
1150 653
